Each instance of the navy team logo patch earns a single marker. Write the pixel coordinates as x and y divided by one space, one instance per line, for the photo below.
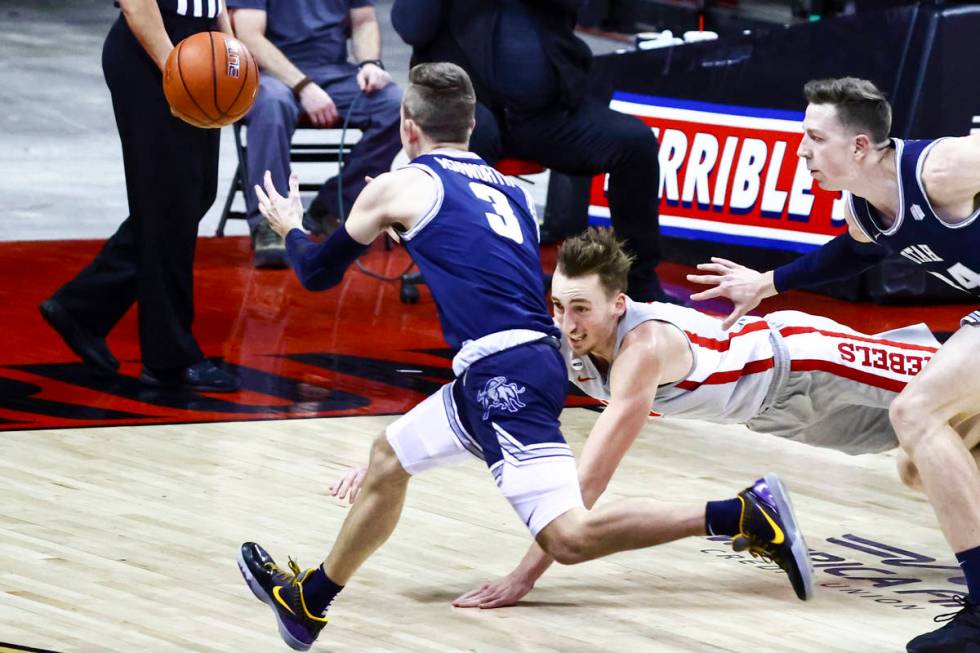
498 393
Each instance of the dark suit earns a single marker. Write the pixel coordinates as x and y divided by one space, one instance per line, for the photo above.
530 74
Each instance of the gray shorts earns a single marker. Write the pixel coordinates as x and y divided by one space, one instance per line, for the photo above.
833 385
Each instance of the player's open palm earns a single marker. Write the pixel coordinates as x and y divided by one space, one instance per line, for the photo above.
283 213
349 485
503 592
743 286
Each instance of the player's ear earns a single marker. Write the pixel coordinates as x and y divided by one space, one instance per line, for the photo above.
861 145
619 304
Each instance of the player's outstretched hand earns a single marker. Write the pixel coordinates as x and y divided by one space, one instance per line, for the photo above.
349 485
283 213
503 592
744 286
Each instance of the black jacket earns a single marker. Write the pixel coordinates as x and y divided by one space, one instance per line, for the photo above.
461 31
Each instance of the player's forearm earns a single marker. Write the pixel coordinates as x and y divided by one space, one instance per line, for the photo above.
841 258
146 24
320 266
366 41
271 60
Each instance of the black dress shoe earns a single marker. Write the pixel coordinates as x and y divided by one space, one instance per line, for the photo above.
86 345
203 376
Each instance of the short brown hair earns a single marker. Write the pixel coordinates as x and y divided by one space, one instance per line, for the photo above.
440 99
861 106
596 251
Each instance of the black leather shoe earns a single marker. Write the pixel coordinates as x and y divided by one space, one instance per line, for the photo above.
86 345
203 376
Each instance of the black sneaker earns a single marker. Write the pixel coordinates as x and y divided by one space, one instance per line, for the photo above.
269 247
283 592
960 635
86 345
319 221
203 376
768 530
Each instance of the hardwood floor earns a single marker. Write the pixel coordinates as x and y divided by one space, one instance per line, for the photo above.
124 539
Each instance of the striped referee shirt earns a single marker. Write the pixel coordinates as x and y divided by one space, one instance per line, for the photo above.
193 8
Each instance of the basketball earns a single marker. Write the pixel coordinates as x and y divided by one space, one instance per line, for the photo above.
210 80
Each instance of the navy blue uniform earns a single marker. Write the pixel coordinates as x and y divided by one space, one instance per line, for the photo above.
478 251
950 251
477 248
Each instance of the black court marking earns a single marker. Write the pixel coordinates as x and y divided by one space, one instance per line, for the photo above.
6 648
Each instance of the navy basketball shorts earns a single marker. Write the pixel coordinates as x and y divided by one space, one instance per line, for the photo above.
503 410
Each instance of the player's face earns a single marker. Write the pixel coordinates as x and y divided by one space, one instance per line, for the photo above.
586 316
827 147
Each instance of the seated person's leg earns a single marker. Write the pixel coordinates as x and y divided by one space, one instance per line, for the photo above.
377 115
271 122
593 139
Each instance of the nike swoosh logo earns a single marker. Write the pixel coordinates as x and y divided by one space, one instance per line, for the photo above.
280 601
583 379
780 537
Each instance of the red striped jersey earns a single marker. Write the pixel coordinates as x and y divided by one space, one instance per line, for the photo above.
730 377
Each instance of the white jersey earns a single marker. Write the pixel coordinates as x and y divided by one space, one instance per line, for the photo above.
729 380
798 376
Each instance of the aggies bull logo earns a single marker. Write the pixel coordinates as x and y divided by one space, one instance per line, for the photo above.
498 393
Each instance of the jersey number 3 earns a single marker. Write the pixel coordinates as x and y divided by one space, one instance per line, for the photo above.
502 220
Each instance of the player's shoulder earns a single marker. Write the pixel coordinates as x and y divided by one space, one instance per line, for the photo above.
405 192
641 344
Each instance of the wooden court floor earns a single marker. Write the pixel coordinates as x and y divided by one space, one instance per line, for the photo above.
124 539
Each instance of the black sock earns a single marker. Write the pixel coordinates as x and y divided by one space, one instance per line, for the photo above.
319 592
970 563
722 517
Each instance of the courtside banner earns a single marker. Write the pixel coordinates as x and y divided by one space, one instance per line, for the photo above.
730 174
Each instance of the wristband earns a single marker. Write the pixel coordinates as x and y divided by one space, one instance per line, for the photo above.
300 85
376 62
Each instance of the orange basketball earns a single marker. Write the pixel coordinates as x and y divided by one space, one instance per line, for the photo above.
210 80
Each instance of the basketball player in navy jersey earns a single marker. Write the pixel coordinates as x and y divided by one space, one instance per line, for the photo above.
918 199
473 234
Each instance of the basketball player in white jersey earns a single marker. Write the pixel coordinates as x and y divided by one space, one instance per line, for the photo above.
919 199
798 376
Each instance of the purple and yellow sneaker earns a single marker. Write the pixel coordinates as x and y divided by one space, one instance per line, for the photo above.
283 592
767 529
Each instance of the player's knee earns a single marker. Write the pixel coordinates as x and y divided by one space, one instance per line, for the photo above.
385 466
566 540
912 415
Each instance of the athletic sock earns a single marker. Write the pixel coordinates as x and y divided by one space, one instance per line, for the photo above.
722 517
319 591
970 563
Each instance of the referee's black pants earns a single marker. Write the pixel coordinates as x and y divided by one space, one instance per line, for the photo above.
589 140
171 181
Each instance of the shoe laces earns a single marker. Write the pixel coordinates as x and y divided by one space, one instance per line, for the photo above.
965 608
293 568
757 549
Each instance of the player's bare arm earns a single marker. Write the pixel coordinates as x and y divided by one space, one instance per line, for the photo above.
951 177
633 381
